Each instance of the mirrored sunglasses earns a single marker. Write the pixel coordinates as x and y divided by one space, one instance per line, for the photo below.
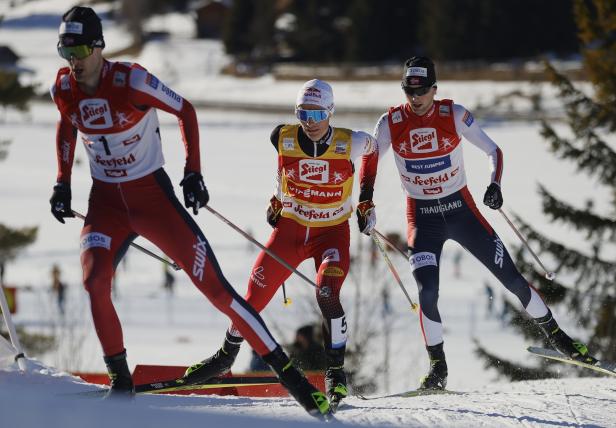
314 115
77 52
418 92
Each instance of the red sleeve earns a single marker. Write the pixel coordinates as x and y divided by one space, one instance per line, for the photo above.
367 175
146 90
66 139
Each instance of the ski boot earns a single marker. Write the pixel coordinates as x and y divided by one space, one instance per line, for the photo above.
335 378
309 397
120 379
560 341
335 386
217 365
437 376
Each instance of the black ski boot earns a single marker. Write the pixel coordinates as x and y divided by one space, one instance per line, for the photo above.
437 376
335 378
309 397
217 365
562 342
120 379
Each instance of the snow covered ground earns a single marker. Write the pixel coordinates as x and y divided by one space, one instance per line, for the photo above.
239 166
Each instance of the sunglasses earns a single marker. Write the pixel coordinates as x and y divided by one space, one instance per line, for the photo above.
418 92
314 115
77 52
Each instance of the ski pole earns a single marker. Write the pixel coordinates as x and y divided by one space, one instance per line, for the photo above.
549 275
287 300
392 269
258 244
174 265
20 358
391 244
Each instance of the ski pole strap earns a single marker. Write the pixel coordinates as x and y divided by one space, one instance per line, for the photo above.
258 244
174 265
378 243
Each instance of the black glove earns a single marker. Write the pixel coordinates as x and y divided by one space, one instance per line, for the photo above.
195 192
493 197
273 211
61 201
366 216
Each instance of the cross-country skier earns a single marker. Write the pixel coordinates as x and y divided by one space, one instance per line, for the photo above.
113 106
426 137
309 213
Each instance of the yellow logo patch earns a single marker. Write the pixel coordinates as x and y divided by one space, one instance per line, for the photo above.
333 271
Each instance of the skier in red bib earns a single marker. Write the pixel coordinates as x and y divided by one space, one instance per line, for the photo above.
309 213
426 139
111 107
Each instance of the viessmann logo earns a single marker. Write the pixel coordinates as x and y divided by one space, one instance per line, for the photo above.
95 113
314 171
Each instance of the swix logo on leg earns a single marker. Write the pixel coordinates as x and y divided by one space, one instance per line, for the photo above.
499 255
200 256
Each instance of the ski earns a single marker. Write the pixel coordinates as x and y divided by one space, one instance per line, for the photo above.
414 393
600 366
180 385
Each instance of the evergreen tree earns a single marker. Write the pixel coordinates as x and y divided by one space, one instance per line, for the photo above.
586 283
13 94
382 31
321 30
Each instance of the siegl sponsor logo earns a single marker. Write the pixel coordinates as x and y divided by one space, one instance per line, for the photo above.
200 256
423 140
95 113
314 171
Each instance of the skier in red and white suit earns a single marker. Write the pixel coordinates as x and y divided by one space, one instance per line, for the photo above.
309 213
426 138
113 106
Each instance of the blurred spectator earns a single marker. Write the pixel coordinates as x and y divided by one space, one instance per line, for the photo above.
457 264
489 299
168 279
306 351
58 287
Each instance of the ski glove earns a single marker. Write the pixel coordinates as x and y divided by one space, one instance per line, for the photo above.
195 192
273 211
493 196
61 201
366 216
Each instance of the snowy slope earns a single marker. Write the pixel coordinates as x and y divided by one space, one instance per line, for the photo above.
45 398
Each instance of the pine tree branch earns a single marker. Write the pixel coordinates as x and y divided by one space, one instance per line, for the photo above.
510 370
568 258
595 226
596 158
